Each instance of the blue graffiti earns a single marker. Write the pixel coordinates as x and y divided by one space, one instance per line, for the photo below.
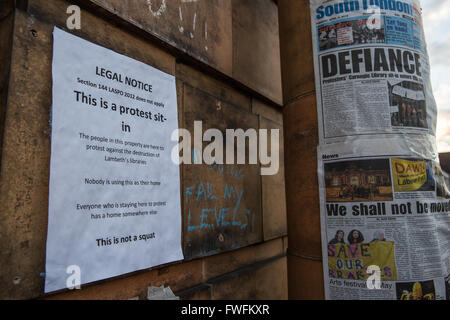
212 217
228 170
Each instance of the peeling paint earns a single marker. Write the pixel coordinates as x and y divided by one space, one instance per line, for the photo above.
180 27
193 26
206 34
195 19
160 11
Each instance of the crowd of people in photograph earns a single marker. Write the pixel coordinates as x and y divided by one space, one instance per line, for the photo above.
408 116
367 192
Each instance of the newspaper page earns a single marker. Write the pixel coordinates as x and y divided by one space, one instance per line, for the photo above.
371 69
385 221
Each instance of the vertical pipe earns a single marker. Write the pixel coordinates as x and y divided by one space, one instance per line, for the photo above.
301 140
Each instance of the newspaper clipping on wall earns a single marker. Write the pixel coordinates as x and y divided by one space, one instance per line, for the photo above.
385 222
384 203
371 68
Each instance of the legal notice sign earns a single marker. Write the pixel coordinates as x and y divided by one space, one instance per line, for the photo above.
114 195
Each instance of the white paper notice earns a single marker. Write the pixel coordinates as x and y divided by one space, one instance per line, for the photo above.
114 203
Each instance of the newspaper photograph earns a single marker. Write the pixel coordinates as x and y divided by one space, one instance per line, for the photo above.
384 221
372 70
